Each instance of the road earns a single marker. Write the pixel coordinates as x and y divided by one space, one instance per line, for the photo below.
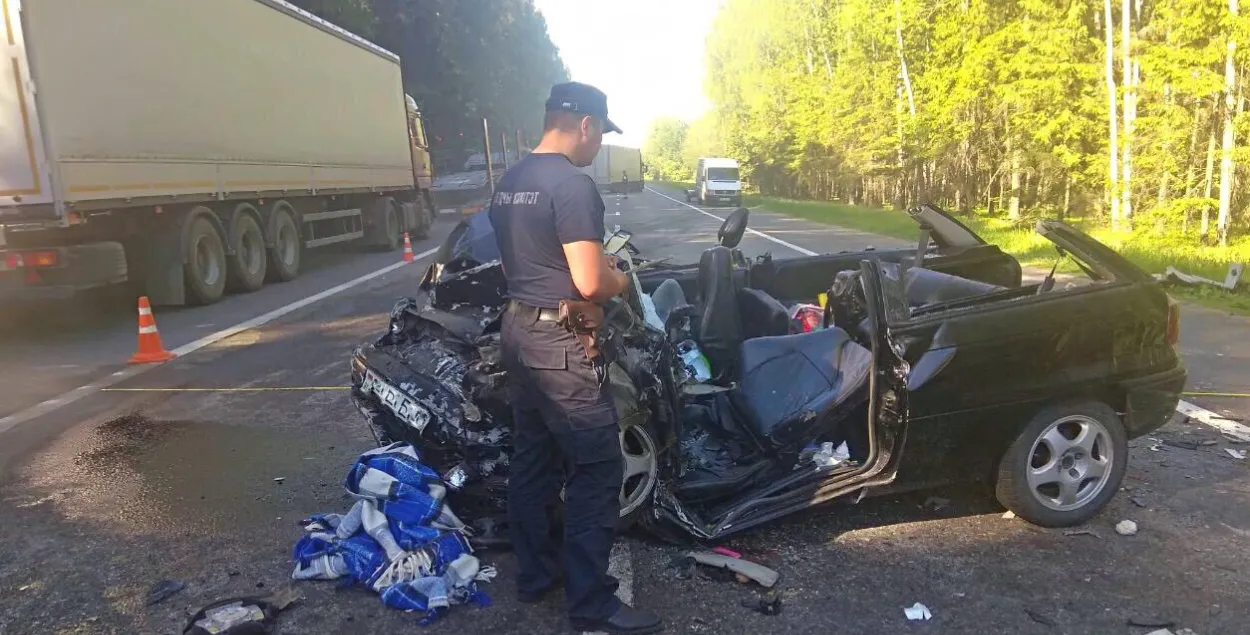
113 491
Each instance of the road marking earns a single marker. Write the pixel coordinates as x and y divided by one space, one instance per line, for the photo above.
1221 423
1190 410
621 567
64 399
805 252
253 389
1215 394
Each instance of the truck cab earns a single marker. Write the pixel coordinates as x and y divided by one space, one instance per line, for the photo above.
422 166
716 180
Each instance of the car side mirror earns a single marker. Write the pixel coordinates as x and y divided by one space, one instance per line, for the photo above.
735 225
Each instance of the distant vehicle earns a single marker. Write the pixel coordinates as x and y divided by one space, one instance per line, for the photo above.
186 146
716 180
617 169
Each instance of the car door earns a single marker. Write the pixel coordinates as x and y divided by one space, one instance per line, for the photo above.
887 391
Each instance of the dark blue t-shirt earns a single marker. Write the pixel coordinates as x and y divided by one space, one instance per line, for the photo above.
541 204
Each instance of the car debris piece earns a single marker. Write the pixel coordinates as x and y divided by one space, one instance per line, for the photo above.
725 551
1126 528
1152 621
768 605
1184 445
164 590
1172 275
1240 455
918 612
1009 515
241 616
1039 617
758 572
1136 501
1081 532
935 503
279 479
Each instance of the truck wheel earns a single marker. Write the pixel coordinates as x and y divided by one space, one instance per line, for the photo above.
206 263
425 217
248 266
284 256
391 227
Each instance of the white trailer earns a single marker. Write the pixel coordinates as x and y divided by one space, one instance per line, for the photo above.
617 169
185 144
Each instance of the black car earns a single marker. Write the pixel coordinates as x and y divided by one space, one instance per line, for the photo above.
925 371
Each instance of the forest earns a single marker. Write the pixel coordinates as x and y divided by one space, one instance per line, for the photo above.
462 60
1127 116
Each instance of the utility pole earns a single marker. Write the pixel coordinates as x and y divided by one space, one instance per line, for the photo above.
490 165
520 145
503 143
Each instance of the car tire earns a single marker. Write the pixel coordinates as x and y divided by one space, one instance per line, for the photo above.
205 270
250 262
284 256
1065 465
640 456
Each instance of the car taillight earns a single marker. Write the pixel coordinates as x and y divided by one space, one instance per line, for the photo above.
1174 323
14 261
41 258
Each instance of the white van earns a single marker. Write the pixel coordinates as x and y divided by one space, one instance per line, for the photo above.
716 180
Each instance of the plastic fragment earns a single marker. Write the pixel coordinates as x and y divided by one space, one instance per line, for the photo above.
1009 515
1240 455
1126 528
918 612
163 590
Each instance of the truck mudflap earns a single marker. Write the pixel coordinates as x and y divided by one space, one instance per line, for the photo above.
41 273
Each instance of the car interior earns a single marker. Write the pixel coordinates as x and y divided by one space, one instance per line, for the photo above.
778 394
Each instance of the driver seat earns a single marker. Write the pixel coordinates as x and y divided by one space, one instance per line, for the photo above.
720 327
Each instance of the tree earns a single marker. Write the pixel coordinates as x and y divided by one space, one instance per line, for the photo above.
662 150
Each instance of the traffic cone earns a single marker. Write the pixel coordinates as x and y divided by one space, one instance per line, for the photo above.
150 348
407 248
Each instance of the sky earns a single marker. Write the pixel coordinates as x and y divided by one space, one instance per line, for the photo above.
647 55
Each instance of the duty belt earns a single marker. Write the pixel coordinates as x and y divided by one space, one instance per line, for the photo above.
533 312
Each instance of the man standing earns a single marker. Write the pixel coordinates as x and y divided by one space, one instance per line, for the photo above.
548 219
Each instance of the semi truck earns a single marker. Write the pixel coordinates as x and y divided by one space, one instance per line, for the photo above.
617 169
194 148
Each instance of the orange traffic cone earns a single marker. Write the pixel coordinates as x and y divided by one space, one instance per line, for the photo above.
150 348
407 248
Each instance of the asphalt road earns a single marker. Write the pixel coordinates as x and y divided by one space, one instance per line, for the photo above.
115 491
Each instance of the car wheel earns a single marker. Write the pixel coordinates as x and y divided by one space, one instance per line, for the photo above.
248 266
641 458
1065 465
206 262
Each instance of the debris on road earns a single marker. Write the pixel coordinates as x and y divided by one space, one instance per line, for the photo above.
768 605
1240 455
763 575
164 590
1039 617
935 503
1173 276
279 480
1153 621
241 616
1009 515
1126 528
724 551
1184 445
400 539
1136 501
1081 532
918 612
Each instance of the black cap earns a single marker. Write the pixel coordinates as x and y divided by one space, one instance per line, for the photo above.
582 99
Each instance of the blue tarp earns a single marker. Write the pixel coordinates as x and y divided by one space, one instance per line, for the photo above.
398 539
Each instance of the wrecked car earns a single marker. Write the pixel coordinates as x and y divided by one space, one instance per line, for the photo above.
932 364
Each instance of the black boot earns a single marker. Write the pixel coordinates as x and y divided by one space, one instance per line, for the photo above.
626 620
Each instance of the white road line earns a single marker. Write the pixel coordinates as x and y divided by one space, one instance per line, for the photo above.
1204 416
64 399
805 252
1195 412
621 567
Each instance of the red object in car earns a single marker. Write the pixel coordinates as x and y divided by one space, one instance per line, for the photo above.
805 318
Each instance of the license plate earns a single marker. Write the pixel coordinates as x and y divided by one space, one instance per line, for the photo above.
403 406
